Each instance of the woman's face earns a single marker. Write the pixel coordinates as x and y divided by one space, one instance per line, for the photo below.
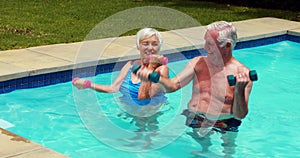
148 46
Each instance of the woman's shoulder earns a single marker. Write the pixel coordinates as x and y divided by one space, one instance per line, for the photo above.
137 62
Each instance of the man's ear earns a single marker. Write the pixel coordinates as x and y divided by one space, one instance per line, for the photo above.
228 44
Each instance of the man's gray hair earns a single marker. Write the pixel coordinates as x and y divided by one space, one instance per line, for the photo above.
227 32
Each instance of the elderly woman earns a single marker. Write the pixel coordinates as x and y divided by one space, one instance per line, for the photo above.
139 98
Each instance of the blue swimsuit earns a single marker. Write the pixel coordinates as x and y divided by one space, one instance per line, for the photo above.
130 94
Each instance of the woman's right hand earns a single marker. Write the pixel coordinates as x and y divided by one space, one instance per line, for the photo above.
81 84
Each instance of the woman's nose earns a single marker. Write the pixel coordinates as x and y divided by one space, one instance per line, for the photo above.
150 47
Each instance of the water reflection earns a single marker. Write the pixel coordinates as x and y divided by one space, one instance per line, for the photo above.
147 127
228 143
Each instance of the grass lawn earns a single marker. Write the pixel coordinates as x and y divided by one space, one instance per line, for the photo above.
30 23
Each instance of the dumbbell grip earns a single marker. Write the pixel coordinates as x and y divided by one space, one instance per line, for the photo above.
153 77
232 79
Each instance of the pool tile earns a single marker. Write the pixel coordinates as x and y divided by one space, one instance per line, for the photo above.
293 38
260 42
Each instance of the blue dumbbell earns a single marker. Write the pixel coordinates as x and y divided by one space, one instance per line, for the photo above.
153 77
232 80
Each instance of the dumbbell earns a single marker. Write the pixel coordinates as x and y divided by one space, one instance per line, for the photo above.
232 79
153 77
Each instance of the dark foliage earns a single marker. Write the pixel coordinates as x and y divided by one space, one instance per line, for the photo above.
293 5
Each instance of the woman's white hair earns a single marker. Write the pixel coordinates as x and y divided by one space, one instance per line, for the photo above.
227 32
146 33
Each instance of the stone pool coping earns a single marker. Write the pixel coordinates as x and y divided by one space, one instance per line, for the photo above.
13 145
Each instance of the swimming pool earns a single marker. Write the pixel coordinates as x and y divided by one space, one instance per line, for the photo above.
50 115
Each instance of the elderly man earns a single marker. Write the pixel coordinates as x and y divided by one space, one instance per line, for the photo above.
214 103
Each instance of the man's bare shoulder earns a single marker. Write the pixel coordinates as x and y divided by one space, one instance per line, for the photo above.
236 64
198 59
239 64
197 62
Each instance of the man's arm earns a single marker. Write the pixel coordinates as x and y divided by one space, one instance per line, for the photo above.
173 84
241 96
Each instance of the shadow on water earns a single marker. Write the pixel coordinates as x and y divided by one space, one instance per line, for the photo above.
147 127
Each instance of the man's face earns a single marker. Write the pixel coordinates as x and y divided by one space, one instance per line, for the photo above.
148 46
211 42
212 46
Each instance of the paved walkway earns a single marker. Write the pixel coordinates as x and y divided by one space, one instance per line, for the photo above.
58 57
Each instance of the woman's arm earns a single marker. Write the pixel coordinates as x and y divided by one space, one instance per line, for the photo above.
114 87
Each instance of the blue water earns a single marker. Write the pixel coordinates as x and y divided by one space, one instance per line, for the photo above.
87 124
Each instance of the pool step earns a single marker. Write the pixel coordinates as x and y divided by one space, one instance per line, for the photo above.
5 124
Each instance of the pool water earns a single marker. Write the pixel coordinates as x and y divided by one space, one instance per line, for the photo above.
86 124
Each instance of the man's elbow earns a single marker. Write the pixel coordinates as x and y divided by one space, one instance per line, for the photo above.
172 88
168 85
241 115
176 87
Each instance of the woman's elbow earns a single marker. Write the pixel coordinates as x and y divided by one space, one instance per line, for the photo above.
112 89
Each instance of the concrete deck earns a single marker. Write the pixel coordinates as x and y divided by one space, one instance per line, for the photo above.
58 57
12 145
